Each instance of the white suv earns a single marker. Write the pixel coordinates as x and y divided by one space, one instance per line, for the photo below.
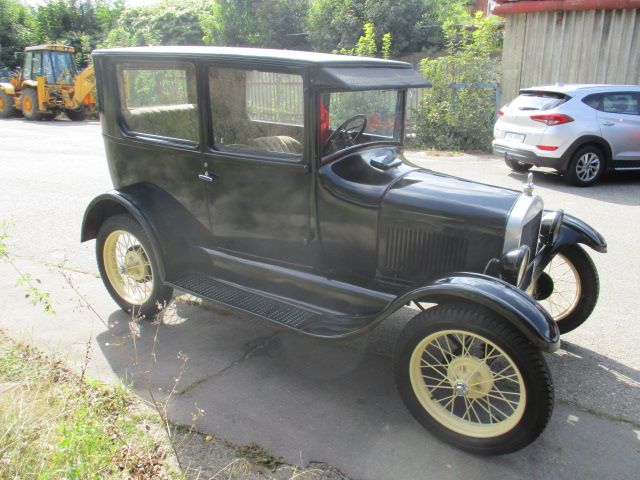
580 130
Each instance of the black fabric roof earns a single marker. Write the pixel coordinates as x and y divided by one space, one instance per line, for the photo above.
342 72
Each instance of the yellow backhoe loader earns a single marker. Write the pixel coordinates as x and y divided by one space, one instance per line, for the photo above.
48 83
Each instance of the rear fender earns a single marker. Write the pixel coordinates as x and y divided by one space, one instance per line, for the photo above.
500 297
165 221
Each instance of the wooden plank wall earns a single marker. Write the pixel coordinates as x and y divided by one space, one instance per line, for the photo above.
589 46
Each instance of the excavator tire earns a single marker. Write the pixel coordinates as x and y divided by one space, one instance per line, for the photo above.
30 108
6 105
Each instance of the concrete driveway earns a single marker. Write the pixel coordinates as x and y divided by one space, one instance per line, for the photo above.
300 398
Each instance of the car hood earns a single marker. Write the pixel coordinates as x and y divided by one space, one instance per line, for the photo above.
431 223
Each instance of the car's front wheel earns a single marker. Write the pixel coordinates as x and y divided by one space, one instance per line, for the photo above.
473 380
129 267
586 167
517 166
568 288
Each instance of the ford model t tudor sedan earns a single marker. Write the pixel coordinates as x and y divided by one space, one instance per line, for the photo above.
274 182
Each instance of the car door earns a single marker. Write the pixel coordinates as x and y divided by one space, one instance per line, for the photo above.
257 164
619 119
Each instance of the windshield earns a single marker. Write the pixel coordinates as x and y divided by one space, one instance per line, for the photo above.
58 67
357 118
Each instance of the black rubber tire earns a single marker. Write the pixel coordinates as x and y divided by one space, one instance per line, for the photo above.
7 110
516 165
76 115
571 175
589 287
36 113
160 293
536 376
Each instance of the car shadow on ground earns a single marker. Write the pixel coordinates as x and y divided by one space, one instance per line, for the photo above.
626 185
293 394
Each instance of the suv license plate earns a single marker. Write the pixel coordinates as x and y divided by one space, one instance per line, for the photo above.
516 137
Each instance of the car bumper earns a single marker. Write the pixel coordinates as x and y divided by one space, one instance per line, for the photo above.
530 157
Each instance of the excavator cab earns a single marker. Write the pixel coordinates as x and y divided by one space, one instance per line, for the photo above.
53 62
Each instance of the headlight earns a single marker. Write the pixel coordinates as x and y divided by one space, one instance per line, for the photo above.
513 264
550 230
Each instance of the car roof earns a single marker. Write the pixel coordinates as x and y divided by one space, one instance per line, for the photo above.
581 88
260 54
342 72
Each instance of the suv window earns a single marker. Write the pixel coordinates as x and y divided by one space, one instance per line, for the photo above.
159 101
538 100
620 102
257 111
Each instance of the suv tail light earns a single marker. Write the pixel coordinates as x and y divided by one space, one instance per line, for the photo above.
500 113
552 119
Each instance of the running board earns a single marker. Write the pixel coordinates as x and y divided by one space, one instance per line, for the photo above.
297 317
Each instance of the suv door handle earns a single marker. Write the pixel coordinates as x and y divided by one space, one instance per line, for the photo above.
608 124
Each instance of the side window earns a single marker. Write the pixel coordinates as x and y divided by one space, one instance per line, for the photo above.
159 101
625 103
26 70
257 111
36 67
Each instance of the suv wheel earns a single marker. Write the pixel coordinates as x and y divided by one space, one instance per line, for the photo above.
586 167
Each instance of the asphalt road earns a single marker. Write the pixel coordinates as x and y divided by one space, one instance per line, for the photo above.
299 398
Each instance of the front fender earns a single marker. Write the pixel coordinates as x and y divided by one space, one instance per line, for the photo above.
573 231
502 298
7 88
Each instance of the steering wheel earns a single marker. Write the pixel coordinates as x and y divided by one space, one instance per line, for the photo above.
349 135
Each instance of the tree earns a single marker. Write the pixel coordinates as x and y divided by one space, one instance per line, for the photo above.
168 23
16 30
333 25
260 23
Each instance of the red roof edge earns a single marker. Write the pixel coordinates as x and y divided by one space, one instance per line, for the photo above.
510 7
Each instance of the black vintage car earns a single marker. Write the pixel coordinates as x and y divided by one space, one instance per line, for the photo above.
274 182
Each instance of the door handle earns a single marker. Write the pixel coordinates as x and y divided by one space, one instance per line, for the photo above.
207 177
608 124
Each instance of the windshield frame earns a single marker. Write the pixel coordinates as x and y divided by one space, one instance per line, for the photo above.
397 140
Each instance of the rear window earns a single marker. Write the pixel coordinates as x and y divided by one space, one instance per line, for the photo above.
534 100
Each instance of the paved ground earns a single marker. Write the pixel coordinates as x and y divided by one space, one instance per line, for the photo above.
299 398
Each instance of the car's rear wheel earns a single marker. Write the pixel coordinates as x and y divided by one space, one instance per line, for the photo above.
568 288
516 165
586 167
473 380
129 267
6 105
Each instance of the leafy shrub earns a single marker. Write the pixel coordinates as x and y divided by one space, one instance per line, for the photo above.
458 112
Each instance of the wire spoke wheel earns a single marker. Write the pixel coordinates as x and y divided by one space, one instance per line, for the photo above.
468 383
566 288
569 287
473 379
128 267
